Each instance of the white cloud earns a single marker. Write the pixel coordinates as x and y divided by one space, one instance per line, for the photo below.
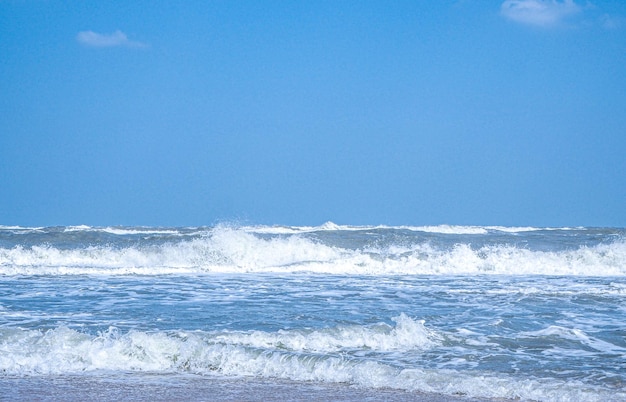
543 13
117 38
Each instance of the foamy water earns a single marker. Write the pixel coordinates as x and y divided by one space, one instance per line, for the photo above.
486 312
330 249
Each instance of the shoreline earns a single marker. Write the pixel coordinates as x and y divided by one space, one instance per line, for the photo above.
167 387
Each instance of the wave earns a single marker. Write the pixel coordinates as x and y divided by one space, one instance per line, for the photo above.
135 231
156 251
332 355
577 336
115 230
407 335
287 230
65 350
443 229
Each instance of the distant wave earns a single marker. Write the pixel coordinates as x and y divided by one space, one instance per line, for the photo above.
156 251
280 229
124 231
444 229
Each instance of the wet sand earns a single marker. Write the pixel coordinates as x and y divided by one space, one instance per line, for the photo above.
146 387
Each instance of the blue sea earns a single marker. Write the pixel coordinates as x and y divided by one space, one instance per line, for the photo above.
437 313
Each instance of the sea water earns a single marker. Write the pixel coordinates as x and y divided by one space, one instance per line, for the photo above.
328 312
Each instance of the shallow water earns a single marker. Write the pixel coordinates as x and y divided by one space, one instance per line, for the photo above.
172 387
347 312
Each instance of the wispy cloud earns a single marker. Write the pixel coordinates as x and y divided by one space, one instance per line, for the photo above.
115 39
544 13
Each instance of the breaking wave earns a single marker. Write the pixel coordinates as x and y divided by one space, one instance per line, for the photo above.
369 251
332 355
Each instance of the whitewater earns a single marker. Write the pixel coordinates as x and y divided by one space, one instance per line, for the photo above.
343 312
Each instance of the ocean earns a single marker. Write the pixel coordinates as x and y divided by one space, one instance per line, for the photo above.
334 312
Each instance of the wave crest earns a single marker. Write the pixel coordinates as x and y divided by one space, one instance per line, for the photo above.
242 250
66 351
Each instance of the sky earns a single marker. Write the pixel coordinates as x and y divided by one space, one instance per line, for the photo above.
414 112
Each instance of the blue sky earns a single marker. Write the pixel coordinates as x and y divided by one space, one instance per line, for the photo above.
293 112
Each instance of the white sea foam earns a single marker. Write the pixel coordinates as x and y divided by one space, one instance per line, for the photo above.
20 229
331 226
232 250
108 229
456 229
443 229
326 227
519 229
236 250
575 335
448 229
78 228
6 227
66 351
134 231
408 334
121 231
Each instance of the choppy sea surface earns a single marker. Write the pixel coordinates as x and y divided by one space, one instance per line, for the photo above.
383 312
